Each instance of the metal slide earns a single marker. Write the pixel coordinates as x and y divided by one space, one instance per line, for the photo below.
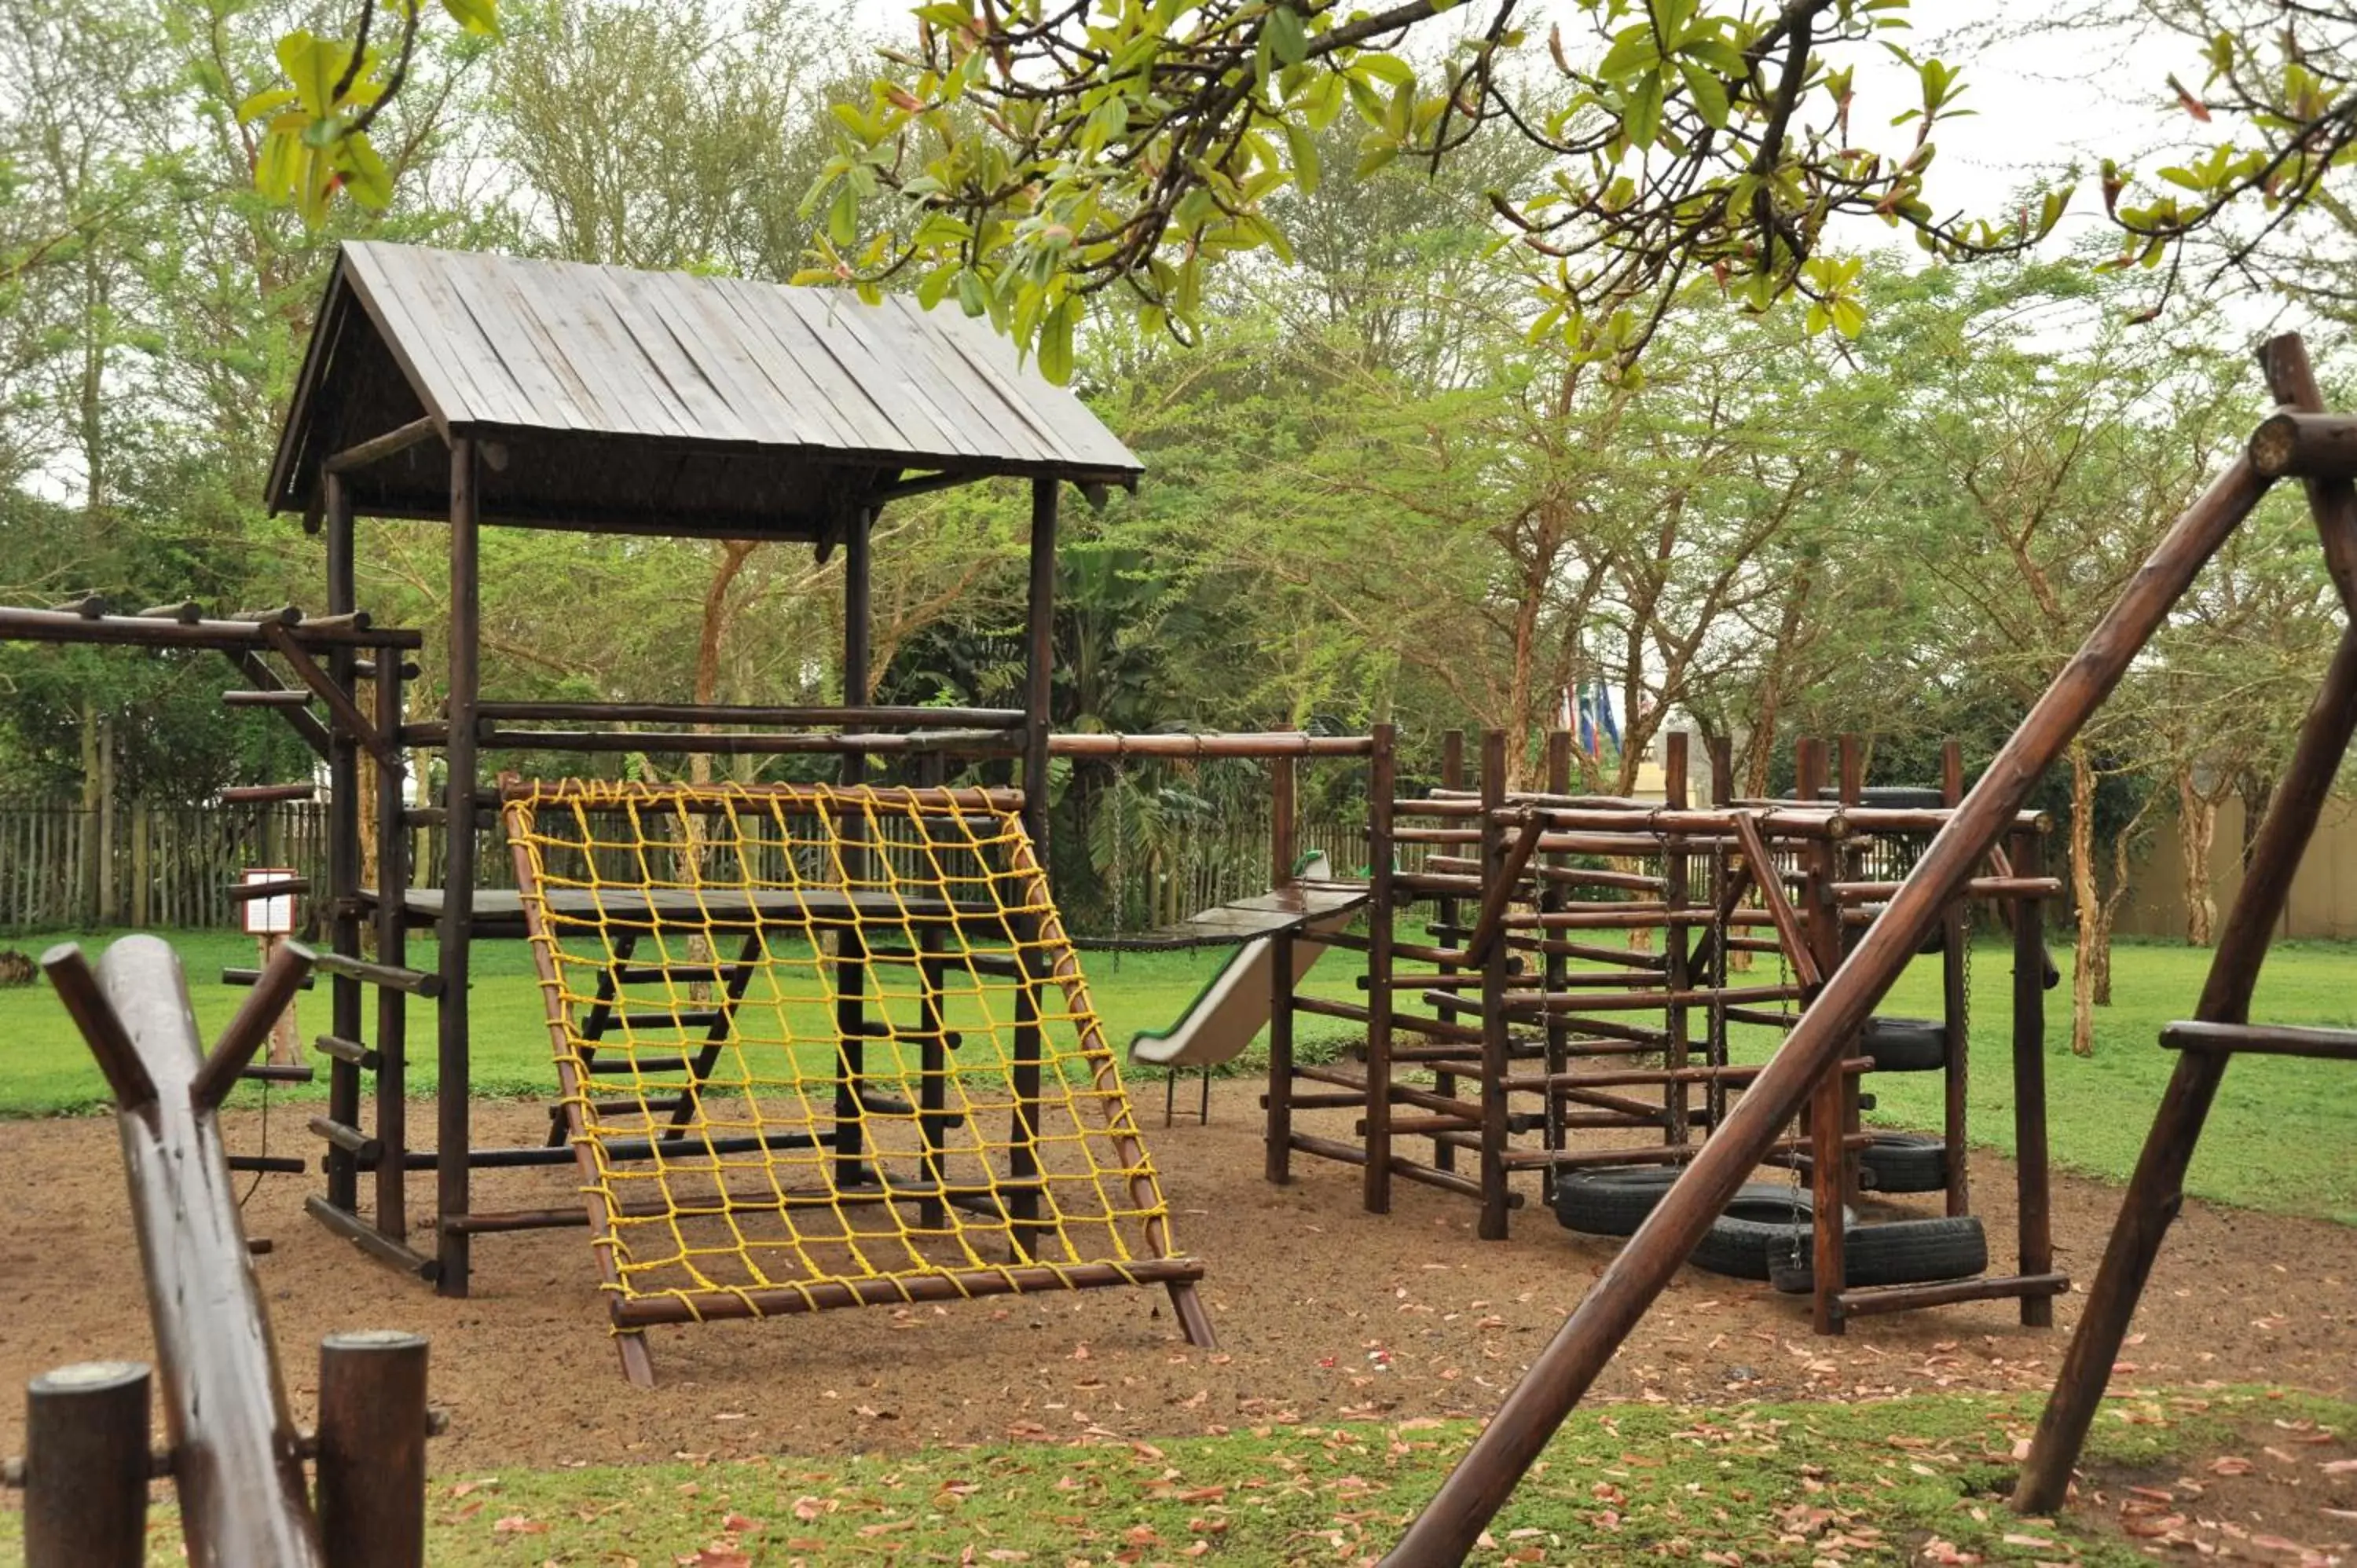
1234 1006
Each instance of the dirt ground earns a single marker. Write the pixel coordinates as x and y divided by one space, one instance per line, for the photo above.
1324 1311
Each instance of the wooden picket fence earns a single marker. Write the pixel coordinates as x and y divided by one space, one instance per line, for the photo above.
149 864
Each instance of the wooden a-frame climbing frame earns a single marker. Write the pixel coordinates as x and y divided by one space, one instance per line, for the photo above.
2298 442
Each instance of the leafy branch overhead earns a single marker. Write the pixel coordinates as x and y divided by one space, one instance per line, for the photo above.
316 142
2281 83
1071 147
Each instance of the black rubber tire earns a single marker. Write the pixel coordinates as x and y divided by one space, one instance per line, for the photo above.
1898 1252
1738 1242
1898 1162
1904 1045
1614 1201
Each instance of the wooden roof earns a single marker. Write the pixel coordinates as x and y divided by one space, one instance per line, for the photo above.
660 403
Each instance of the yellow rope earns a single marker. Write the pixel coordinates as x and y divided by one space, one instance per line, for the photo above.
725 936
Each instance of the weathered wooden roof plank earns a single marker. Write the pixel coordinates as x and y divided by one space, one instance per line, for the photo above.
694 392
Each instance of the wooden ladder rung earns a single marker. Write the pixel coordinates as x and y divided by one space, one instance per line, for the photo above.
2260 1040
1866 1303
276 1072
288 697
235 976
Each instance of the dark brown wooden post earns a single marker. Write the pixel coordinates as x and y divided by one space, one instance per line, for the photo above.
1281 854
1383 783
1676 969
1284 825
1722 793
452 1096
1829 1099
1278 1166
1553 895
850 945
1038 672
1445 914
2033 1199
86 1466
1956 1006
392 850
1446 1531
1040 662
372 1465
1495 1062
343 851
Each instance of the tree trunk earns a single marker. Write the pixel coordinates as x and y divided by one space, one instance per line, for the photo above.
2091 951
2197 831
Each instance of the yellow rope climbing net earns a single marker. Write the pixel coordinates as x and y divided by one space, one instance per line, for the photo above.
823 1046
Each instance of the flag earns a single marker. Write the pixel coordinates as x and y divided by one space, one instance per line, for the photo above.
1604 715
1588 724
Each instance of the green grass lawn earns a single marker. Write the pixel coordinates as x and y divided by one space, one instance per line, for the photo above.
45 1069
2283 1136
2280 1138
1883 1482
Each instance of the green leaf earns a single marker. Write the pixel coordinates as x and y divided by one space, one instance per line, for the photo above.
1709 95
313 64
1302 149
481 16
1056 341
843 215
269 100
364 175
1287 39
1641 117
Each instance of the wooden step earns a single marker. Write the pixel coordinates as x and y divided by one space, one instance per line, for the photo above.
1867 1302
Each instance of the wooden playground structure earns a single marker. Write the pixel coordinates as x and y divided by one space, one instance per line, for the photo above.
828 1043
1583 961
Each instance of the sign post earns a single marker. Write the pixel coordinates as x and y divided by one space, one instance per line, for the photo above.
269 921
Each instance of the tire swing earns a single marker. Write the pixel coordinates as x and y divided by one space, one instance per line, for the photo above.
1895 1253
1897 1162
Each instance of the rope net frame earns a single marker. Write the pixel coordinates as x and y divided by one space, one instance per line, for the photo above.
827 1046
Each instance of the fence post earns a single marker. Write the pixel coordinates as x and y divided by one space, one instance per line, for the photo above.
86 1466
372 1467
142 861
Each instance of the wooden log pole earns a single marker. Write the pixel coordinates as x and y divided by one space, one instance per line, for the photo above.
86 1466
372 1463
1555 966
1955 1012
1445 1532
453 1097
1382 911
1830 1098
1445 914
240 1484
1497 859
1676 871
2033 1195
251 1024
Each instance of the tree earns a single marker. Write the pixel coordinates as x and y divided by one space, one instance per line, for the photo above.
2039 483
1071 151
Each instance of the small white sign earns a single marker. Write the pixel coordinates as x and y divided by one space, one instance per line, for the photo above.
274 915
